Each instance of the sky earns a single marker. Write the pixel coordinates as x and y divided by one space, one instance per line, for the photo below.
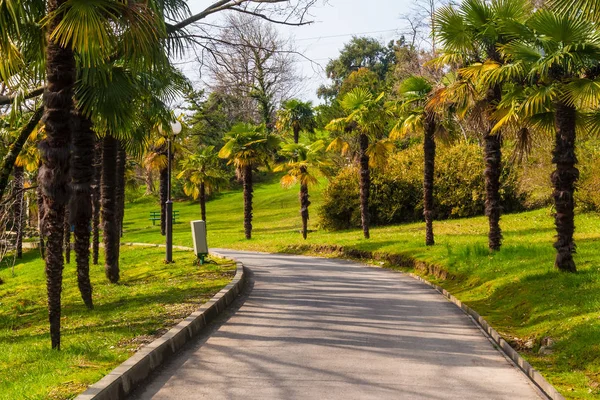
335 23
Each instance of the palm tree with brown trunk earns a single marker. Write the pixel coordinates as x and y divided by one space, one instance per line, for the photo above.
418 116
96 209
558 58
365 123
296 116
470 35
108 200
202 175
303 159
18 187
121 170
80 206
54 152
247 147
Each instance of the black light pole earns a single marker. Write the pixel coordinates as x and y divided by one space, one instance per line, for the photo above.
175 129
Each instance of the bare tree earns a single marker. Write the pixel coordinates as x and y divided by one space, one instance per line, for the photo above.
420 21
252 63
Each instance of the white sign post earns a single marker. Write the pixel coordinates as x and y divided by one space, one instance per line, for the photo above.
199 236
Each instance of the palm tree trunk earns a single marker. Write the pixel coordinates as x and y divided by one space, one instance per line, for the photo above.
121 164
18 174
110 209
365 184
54 173
429 156
296 134
493 168
40 205
80 207
67 236
564 179
149 182
203 201
493 209
163 187
15 148
96 201
304 203
247 176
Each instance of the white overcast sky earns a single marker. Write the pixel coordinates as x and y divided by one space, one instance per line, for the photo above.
335 23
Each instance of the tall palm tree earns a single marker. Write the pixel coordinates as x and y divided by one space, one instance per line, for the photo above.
303 159
202 175
18 186
247 147
416 115
96 200
296 116
80 206
365 122
470 35
556 56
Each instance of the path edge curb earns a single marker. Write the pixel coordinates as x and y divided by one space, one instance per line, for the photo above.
502 344
121 381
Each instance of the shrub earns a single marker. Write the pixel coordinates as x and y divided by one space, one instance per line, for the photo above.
397 191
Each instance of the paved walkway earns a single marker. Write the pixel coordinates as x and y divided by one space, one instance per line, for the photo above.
314 328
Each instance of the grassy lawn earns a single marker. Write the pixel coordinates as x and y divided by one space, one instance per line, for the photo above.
517 290
150 298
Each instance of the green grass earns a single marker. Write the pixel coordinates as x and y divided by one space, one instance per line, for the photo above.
150 298
517 290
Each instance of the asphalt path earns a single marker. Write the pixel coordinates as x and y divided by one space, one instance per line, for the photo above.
312 328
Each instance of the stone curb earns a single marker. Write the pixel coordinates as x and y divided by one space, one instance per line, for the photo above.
121 381
511 353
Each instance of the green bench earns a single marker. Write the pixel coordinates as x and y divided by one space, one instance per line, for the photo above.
155 216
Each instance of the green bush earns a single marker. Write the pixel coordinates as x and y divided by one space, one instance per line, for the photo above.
397 191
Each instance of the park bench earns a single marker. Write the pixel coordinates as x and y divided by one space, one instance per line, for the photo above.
155 216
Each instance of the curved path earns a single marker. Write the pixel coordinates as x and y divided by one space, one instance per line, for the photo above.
310 328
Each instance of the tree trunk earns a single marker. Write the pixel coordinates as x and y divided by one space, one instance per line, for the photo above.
96 201
564 179
149 182
296 134
203 201
493 168
40 205
304 203
15 148
121 168
18 210
54 173
163 188
429 156
365 184
80 207
247 176
67 236
109 208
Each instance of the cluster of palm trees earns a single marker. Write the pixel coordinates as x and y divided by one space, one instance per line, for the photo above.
106 81
515 68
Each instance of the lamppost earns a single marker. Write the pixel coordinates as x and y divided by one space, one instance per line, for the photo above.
175 130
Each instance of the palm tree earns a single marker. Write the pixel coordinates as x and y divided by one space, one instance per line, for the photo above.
96 200
417 116
296 116
247 147
303 158
18 187
108 200
470 35
82 177
364 121
202 175
556 56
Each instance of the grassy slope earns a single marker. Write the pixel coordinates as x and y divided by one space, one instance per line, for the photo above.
516 290
150 297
